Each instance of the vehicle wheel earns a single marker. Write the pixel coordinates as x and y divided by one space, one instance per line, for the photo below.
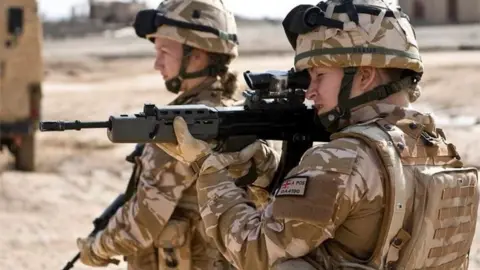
25 154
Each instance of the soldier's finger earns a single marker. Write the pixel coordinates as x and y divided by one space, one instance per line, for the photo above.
249 151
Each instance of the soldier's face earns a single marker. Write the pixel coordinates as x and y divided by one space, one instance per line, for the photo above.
324 87
168 58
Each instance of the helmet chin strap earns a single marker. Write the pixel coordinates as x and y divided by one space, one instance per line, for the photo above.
330 120
174 84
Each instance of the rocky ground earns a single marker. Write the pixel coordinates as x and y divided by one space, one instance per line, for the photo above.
79 173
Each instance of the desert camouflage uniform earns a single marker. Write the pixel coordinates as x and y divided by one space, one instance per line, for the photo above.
331 209
162 219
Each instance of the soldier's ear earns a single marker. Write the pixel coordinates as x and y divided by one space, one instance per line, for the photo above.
366 78
200 57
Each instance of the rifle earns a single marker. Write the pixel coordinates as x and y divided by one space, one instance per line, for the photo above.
274 109
101 222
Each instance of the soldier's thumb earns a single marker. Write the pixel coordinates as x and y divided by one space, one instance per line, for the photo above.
182 133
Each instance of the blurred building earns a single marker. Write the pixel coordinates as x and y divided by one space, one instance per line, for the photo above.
111 11
442 11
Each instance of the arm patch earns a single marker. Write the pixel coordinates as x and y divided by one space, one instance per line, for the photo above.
293 186
326 170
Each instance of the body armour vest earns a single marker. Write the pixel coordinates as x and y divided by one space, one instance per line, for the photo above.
431 199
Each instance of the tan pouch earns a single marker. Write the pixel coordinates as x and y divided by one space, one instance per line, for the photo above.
174 246
445 216
145 259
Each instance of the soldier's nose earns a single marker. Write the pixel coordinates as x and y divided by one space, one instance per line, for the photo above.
310 94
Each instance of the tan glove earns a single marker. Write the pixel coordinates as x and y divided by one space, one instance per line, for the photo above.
89 257
266 160
187 149
190 150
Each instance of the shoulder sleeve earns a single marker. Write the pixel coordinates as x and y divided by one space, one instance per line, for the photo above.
312 202
318 183
140 221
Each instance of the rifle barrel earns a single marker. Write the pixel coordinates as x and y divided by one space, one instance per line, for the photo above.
69 125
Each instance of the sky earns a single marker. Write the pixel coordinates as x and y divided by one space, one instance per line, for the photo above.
57 9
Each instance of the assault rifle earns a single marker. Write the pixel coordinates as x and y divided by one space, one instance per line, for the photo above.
101 222
274 109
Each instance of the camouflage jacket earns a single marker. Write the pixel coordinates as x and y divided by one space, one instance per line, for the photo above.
161 224
331 203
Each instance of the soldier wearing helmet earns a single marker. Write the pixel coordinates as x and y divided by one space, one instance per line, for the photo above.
389 191
160 226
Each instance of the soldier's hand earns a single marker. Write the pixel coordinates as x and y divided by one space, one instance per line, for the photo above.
237 164
89 257
187 149
263 158
266 161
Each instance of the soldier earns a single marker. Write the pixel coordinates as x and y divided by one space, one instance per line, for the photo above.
160 226
387 192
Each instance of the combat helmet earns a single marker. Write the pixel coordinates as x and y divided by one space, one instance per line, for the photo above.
201 24
350 34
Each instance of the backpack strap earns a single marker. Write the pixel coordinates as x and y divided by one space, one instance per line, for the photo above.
385 140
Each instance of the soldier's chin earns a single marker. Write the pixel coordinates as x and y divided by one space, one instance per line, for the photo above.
321 109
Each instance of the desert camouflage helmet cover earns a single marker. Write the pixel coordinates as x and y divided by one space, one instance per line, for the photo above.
384 40
202 12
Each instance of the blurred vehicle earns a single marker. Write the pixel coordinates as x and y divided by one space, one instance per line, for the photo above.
21 75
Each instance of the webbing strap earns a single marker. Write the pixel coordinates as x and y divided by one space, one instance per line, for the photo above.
395 185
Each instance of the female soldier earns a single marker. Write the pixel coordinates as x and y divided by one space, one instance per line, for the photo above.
160 226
